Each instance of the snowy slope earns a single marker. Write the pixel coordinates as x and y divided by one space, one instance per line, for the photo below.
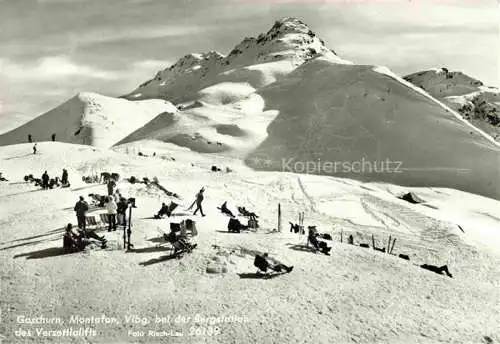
354 295
284 95
91 119
477 103
350 114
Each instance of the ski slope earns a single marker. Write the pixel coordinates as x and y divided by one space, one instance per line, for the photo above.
355 294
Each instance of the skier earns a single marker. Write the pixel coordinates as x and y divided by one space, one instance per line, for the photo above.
198 201
81 208
45 180
34 149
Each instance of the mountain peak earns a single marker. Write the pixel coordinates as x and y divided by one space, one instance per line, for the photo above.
289 25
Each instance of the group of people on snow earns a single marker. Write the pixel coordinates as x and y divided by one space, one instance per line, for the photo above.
48 183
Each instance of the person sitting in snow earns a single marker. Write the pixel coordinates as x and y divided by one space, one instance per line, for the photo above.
76 241
2 179
223 208
162 212
72 241
262 262
317 244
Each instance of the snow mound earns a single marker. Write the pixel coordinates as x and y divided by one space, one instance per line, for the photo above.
90 119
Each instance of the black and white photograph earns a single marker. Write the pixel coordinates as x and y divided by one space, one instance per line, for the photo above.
249 171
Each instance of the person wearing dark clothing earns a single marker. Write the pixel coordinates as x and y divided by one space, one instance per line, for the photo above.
72 241
317 244
77 241
29 138
163 211
81 208
64 178
111 187
53 137
45 180
437 269
199 200
224 209
263 264
121 212
34 149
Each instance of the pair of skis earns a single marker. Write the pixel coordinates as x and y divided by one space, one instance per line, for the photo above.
128 231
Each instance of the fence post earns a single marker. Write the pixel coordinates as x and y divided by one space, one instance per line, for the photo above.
279 217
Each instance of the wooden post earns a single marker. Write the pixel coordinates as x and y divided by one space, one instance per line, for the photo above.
341 235
279 217
393 243
373 242
389 244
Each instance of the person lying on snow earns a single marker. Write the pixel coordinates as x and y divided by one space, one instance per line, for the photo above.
2 179
262 262
437 269
223 208
317 244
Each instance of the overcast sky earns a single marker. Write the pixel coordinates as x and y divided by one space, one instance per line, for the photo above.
52 49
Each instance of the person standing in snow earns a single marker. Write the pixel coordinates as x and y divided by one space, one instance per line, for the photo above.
64 178
45 180
29 138
111 207
53 137
111 187
34 149
199 200
121 212
81 208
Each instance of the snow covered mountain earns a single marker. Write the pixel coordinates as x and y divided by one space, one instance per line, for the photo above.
256 61
90 118
477 103
285 97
